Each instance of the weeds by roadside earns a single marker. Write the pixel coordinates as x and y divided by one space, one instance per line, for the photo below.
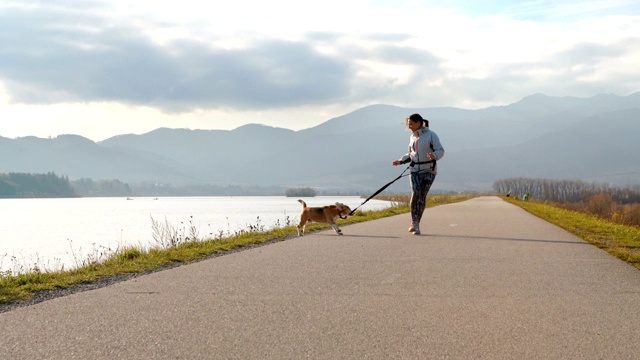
167 236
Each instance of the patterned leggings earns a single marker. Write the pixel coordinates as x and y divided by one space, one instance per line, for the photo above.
420 185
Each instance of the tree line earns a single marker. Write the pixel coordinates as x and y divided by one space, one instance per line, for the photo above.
50 185
300 192
86 187
565 191
618 204
21 185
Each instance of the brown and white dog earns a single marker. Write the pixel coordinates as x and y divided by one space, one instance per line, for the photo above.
326 214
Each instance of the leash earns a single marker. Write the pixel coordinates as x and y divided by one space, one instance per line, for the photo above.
391 182
381 189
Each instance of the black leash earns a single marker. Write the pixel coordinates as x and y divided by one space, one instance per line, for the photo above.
381 189
391 182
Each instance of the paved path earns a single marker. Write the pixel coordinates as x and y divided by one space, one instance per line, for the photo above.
488 281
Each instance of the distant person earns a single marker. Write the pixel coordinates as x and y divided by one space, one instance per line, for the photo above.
424 150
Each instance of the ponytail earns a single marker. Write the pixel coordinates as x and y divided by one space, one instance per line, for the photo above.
417 117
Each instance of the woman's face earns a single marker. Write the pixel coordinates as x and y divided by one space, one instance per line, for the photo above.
413 125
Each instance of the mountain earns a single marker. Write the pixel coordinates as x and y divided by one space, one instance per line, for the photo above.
601 148
79 157
539 136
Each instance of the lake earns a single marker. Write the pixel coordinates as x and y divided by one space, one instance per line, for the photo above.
53 234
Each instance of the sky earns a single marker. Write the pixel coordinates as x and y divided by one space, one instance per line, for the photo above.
105 68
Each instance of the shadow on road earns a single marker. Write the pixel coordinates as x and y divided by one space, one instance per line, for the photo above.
453 236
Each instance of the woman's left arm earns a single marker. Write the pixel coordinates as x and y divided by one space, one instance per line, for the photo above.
438 150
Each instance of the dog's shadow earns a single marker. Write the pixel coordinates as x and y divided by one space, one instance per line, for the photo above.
318 232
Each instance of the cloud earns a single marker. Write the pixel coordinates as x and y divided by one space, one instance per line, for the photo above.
271 74
47 61
85 51
100 60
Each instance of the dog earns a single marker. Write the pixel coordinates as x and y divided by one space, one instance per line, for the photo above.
326 214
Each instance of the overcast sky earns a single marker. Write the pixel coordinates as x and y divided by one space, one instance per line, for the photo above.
103 68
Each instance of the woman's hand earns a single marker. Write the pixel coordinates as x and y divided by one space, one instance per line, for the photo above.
431 156
395 163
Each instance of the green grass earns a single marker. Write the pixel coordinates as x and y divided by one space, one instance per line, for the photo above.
133 260
620 241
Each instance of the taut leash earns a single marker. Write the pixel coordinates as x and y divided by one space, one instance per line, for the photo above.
381 189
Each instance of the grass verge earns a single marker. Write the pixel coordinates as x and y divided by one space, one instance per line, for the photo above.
131 260
620 241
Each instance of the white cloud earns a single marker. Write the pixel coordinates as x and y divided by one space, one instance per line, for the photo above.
87 64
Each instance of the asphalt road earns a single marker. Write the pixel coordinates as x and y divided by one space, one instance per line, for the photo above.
486 280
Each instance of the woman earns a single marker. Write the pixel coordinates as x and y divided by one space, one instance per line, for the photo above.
424 150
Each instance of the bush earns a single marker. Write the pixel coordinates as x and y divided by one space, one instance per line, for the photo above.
601 205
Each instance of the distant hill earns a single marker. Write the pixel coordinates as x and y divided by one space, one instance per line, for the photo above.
600 148
592 139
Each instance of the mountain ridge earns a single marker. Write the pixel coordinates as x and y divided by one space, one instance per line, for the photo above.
538 136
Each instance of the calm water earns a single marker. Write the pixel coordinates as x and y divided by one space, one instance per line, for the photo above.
52 233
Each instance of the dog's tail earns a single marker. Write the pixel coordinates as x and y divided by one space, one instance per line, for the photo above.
304 204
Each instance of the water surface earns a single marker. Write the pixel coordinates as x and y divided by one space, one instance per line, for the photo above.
52 233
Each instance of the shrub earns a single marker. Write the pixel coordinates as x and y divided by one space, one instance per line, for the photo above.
129 254
601 205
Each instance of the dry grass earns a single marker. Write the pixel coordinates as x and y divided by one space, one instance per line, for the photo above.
621 241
